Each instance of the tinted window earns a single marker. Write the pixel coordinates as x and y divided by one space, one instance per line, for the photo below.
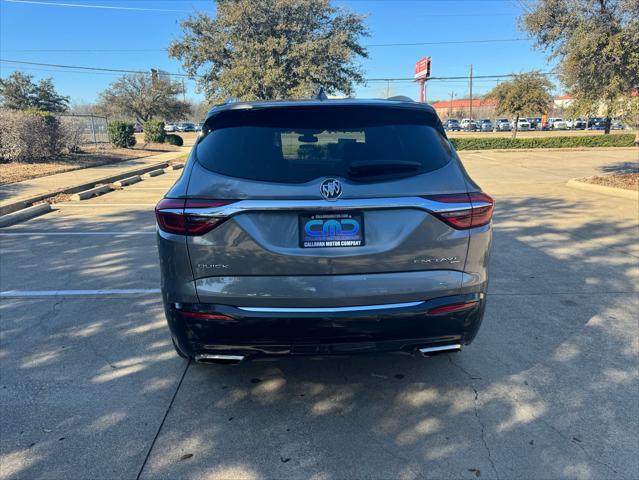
299 144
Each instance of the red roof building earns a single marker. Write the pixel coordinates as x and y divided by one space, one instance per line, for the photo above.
463 103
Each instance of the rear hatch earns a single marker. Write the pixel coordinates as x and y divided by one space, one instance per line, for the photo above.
324 190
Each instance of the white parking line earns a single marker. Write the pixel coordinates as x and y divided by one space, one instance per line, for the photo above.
53 234
69 293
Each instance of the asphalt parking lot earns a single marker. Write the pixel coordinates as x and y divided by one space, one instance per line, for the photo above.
90 386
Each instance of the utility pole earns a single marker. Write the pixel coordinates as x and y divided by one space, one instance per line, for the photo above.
450 110
471 91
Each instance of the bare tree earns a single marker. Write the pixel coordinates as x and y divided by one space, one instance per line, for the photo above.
144 97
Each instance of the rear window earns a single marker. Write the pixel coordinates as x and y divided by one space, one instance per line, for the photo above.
299 144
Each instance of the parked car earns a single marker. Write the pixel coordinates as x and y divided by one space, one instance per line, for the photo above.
616 124
523 125
199 126
502 125
137 127
596 123
557 124
579 124
535 123
468 125
170 127
265 258
452 125
485 125
186 127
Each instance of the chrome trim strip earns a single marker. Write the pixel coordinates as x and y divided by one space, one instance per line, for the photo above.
340 204
443 348
207 356
330 309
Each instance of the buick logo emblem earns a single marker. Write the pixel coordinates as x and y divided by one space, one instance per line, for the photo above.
331 189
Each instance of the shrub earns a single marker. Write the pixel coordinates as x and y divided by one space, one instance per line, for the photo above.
29 136
586 141
154 131
174 140
121 134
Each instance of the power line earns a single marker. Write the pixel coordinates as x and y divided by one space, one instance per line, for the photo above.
96 69
462 77
106 7
450 42
146 50
82 50
183 75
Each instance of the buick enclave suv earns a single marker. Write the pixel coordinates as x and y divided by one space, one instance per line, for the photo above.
322 227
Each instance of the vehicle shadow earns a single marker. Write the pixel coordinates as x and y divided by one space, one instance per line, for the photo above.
547 390
621 167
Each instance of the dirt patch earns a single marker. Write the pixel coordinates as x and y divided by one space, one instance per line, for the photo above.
626 181
89 157
59 198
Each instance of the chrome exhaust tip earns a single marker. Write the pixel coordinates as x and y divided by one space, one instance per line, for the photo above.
430 351
218 359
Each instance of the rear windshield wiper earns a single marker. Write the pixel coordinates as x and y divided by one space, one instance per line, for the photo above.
375 168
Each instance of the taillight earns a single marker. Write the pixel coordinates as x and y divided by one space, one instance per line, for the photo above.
451 308
180 216
478 212
206 316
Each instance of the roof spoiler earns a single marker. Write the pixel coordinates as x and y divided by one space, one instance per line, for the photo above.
401 98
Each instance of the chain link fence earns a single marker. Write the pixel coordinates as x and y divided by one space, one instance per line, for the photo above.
88 129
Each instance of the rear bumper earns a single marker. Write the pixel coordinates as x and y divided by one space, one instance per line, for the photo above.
270 331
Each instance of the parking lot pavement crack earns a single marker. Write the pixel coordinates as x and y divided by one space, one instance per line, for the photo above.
476 411
580 446
470 375
166 414
483 436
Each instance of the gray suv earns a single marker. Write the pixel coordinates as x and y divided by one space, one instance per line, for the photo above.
322 227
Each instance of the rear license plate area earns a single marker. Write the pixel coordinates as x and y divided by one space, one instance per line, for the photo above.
331 230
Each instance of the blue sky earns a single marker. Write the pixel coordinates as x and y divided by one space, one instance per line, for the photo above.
63 34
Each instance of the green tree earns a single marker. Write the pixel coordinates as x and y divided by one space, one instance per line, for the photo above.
525 94
20 92
596 43
144 97
270 49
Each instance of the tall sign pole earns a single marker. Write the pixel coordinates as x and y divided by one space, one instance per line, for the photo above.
422 73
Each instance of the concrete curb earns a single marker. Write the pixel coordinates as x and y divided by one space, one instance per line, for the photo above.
153 173
26 202
24 214
92 192
614 192
128 181
541 150
175 166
